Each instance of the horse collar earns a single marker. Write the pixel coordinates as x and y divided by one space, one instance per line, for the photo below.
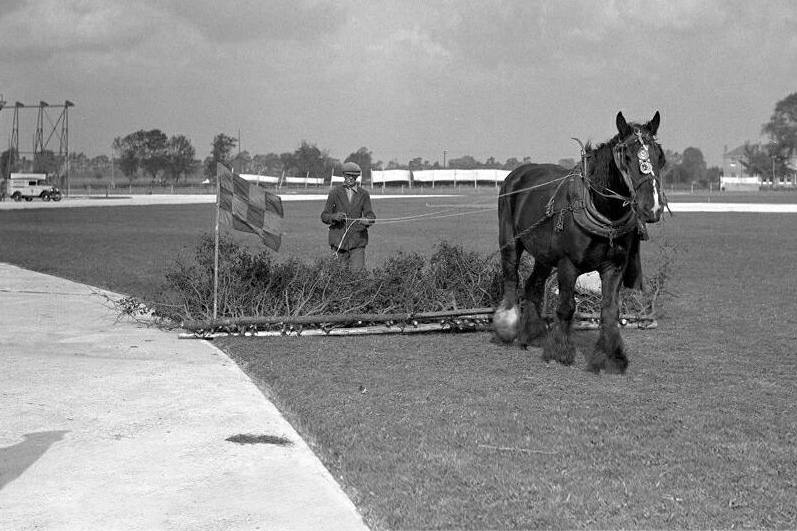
589 218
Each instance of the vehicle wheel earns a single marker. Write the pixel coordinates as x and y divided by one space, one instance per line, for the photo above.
45 196
56 196
16 197
28 198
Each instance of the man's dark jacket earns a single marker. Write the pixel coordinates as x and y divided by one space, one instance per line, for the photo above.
359 207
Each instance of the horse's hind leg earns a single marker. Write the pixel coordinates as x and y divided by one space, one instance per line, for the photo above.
507 315
531 324
609 353
558 343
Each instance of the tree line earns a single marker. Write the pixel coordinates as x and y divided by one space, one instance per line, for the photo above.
148 152
158 157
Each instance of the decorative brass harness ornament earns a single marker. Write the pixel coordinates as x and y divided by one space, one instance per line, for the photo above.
645 167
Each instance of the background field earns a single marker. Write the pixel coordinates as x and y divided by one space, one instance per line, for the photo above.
455 431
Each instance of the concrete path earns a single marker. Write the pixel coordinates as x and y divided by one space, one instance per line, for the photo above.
178 199
109 425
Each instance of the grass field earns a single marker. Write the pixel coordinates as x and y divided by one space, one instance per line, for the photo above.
457 432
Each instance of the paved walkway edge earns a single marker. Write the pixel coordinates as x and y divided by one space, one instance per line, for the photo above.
112 425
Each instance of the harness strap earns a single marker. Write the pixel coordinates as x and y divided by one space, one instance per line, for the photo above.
591 220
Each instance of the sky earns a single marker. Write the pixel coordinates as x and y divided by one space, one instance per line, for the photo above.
402 78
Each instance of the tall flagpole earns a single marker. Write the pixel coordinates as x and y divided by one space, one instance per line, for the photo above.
216 250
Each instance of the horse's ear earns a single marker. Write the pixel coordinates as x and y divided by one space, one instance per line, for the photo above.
653 125
622 126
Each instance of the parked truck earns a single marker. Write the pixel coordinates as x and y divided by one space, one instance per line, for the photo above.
27 186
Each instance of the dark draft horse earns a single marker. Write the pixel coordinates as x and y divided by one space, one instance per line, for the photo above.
589 218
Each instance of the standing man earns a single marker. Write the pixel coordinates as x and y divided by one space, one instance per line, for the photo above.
348 213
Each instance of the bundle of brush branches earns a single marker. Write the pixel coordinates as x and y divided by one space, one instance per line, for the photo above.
451 277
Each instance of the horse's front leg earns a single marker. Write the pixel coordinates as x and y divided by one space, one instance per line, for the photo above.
531 324
558 343
609 353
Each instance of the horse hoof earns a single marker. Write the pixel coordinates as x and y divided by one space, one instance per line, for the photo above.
616 367
563 353
505 324
594 368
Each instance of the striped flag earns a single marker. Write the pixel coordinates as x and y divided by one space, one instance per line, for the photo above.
247 207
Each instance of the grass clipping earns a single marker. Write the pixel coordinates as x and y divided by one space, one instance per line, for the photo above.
451 277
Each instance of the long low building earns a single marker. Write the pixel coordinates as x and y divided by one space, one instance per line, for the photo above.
439 177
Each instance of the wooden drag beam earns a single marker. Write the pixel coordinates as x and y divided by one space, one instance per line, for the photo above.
464 320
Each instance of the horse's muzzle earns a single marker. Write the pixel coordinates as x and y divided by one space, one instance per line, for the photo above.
653 216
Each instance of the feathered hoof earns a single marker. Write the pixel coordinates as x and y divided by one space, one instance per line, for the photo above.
558 348
505 323
616 366
599 362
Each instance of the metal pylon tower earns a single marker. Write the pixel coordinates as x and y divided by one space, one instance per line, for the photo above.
40 140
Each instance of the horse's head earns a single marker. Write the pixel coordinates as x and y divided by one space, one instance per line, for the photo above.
640 160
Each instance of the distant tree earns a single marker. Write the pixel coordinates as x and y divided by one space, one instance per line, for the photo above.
567 163
766 163
153 153
221 148
180 157
677 174
416 164
308 159
46 162
145 150
242 162
668 173
673 157
287 161
465 162
100 161
782 126
130 152
693 165
511 163
712 176
362 157
79 161
269 164
8 163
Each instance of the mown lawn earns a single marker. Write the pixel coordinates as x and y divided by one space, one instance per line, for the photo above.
457 432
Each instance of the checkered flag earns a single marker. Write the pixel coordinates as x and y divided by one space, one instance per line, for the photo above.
247 207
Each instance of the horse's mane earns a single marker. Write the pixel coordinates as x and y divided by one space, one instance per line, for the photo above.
600 161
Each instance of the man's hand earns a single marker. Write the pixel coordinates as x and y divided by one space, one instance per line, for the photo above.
338 216
368 222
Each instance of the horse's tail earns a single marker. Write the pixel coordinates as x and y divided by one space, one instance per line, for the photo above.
506 224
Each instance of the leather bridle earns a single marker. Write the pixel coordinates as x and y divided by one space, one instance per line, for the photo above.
643 160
